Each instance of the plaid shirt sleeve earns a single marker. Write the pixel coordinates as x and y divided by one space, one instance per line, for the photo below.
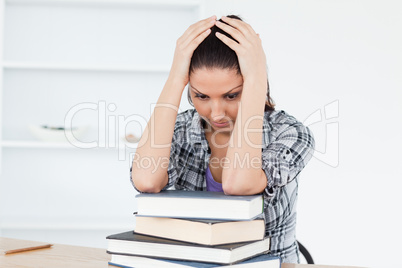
182 157
289 149
174 155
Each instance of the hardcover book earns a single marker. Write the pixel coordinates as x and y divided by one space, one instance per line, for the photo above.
125 261
204 232
199 205
131 243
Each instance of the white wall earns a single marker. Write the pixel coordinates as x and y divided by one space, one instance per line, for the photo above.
346 56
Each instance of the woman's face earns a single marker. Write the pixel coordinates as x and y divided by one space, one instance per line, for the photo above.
216 95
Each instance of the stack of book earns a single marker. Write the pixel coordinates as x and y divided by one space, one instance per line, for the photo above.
194 229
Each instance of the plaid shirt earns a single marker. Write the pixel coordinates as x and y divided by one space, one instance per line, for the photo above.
287 147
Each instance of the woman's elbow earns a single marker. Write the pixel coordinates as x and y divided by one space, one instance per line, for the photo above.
229 190
232 187
238 184
145 184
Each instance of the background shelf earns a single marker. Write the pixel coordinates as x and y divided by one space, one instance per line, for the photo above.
55 145
15 65
115 3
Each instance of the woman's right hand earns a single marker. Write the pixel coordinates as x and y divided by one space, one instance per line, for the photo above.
185 47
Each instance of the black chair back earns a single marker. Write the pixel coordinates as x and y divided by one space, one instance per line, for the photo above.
305 253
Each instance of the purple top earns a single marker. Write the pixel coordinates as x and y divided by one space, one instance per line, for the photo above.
212 185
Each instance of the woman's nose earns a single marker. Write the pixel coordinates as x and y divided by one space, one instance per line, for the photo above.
217 110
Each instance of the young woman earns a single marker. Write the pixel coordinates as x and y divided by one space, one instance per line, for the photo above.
234 140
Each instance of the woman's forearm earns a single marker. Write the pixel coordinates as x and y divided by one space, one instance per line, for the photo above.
242 173
150 163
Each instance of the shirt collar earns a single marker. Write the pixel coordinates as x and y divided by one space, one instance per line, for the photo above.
197 134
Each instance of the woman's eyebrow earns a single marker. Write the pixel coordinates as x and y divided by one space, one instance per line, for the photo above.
223 94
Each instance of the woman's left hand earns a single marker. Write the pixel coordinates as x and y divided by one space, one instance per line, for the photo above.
249 49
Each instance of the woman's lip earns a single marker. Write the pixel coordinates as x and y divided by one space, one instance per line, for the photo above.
221 124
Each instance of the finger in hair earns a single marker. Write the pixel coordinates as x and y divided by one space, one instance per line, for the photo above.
198 29
238 24
236 34
198 40
227 41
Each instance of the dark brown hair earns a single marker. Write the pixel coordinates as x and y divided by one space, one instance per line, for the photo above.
213 53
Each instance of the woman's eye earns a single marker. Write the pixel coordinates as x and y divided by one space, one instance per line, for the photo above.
232 96
201 97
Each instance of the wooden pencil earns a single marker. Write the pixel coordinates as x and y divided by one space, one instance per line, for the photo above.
27 249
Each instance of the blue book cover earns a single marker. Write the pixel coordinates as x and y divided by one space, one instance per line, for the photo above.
266 260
